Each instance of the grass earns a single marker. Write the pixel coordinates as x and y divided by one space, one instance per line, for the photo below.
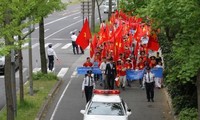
32 104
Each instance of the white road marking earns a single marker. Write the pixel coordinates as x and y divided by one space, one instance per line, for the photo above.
59 19
46 30
56 45
66 46
62 72
25 45
53 114
35 70
35 45
73 31
46 44
76 17
62 29
74 73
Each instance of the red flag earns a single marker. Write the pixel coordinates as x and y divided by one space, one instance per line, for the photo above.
91 50
84 36
153 43
136 49
94 41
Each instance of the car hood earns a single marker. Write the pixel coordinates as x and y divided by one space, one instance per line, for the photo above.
99 117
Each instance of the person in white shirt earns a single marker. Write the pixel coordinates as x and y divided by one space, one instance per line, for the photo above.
103 68
145 39
88 85
158 81
74 45
51 54
149 81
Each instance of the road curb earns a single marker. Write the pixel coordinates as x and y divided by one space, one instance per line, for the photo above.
169 101
45 105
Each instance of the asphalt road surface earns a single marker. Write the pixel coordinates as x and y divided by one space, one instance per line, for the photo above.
58 27
68 102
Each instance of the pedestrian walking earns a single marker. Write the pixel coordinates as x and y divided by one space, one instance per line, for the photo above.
110 73
51 54
103 68
149 82
74 45
88 86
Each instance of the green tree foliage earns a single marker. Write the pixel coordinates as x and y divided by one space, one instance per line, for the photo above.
179 39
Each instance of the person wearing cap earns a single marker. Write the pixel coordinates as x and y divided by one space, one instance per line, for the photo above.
88 85
74 45
149 82
51 54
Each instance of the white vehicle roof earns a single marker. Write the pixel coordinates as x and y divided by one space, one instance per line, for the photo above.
101 117
106 98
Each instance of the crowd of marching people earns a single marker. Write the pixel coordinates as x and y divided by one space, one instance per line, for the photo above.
124 43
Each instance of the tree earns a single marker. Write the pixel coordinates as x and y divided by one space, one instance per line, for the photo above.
179 24
45 7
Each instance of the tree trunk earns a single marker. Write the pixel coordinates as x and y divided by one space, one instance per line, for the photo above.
21 83
42 48
198 93
110 10
93 16
100 20
7 74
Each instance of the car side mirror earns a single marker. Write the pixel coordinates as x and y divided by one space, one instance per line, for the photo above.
129 110
82 111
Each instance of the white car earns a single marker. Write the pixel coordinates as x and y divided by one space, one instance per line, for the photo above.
106 105
106 7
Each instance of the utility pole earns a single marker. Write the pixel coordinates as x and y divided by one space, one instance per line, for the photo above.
30 63
93 16
86 9
110 10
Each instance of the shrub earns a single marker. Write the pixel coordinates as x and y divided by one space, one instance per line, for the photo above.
188 114
42 76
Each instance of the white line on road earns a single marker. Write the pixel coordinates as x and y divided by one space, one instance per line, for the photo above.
46 44
35 70
59 19
24 45
53 114
63 29
62 72
76 17
46 30
73 31
66 46
35 45
56 45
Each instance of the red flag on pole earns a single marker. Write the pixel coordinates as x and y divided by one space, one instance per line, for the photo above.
153 43
84 36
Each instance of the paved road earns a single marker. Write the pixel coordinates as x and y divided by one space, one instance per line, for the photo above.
69 101
57 31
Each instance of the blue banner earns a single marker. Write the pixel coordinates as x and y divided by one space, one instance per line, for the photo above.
158 72
134 75
83 70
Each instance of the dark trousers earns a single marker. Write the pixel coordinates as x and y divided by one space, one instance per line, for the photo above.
88 93
82 51
51 62
75 46
150 90
111 81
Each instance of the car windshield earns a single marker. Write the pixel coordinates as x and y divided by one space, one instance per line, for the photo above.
97 108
